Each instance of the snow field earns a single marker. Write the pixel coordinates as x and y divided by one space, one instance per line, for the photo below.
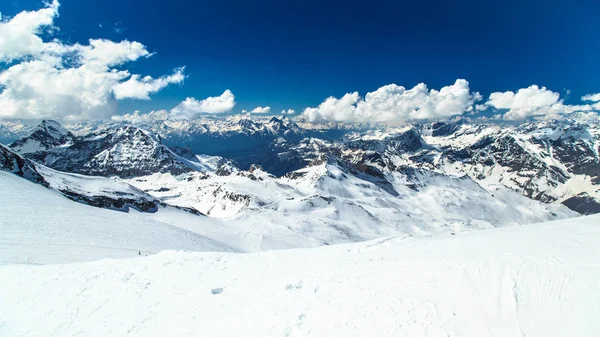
42 226
536 280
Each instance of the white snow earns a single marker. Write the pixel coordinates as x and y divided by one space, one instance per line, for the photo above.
328 206
536 280
38 225
30 146
90 185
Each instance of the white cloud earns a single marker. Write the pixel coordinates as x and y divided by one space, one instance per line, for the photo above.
526 102
71 81
211 105
261 110
36 89
19 35
393 103
288 112
333 109
591 97
186 109
534 101
108 53
138 88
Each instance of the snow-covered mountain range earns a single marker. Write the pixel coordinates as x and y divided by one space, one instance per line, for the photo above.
292 186
549 161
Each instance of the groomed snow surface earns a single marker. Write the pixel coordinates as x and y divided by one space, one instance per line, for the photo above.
529 280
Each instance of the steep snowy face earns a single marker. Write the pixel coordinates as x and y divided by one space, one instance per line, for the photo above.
14 163
407 141
49 134
94 191
284 127
129 151
110 193
122 151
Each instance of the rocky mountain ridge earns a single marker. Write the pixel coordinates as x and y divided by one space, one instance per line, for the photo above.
549 161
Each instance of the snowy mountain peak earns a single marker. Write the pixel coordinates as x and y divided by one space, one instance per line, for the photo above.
53 127
122 151
282 127
248 124
48 134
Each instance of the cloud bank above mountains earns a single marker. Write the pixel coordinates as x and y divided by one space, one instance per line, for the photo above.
393 103
396 103
41 77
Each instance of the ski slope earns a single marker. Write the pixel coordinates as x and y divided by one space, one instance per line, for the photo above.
40 226
534 280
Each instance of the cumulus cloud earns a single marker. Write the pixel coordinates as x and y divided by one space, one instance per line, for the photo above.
288 112
211 105
108 53
186 109
20 35
394 103
52 79
261 110
526 102
141 88
533 101
591 97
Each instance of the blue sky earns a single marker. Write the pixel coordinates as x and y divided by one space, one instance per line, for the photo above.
295 54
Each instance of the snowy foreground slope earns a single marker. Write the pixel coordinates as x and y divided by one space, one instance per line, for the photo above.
534 280
41 226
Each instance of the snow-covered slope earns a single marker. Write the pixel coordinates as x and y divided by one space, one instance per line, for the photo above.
538 280
111 193
40 225
327 203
